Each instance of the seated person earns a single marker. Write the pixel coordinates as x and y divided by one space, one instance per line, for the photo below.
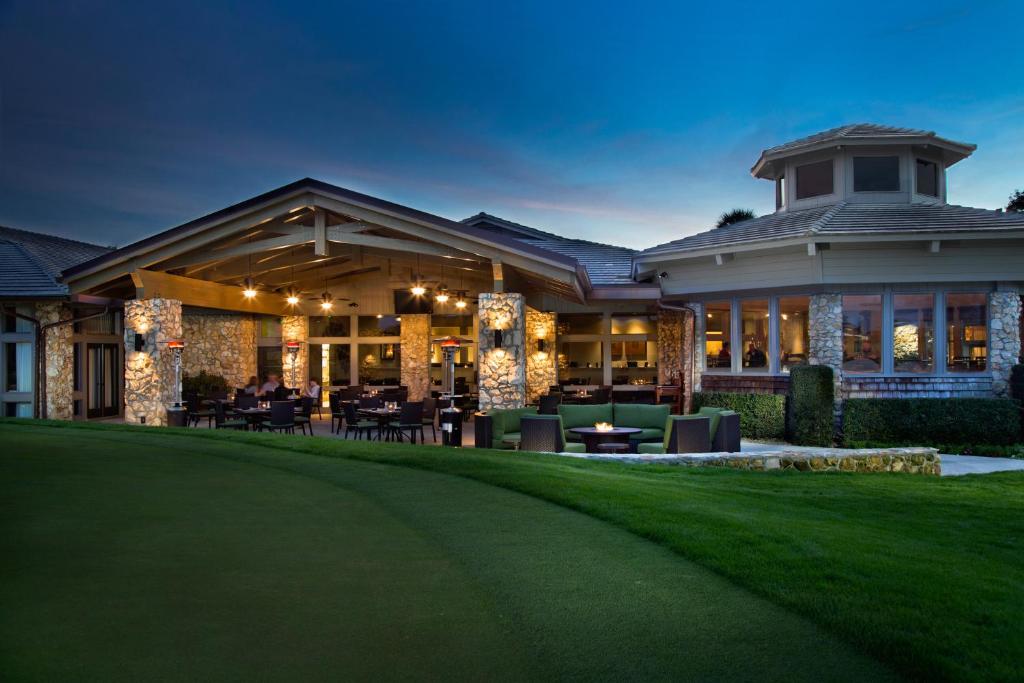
756 358
313 390
724 357
270 386
252 387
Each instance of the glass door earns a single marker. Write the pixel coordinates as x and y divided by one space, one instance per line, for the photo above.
103 369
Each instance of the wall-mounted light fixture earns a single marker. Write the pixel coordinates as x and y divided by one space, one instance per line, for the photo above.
140 341
542 346
498 339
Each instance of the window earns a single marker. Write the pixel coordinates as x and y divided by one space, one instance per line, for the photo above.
862 333
966 332
380 364
270 326
11 321
330 326
18 366
105 324
634 359
913 332
814 180
580 323
754 326
927 178
794 331
580 362
780 192
876 174
17 410
380 326
718 340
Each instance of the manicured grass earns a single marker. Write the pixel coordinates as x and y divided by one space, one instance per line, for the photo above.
926 574
161 555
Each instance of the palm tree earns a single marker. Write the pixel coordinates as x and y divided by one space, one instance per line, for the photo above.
735 216
1016 202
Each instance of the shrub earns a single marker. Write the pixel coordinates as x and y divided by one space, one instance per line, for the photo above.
1017 382
955 422
203 384
811 416
762 416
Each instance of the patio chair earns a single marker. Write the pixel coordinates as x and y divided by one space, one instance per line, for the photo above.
430 415
304 418
337 413
544 434
549 404
220 420
602 395
409 419
282 417
370 402
196 412
354 424
246 401
683 434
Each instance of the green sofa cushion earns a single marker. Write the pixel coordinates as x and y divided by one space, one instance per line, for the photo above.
505 425
647 434
642 416
575 448
585 415
713 415
650 448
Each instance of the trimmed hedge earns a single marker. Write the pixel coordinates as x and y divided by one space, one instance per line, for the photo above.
931 421
811 415
762 416
203 384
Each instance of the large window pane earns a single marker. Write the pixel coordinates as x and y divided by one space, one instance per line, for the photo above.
380 326
862 333
913 332
966 332
270 326
754 326
814 180
927 178
634 362
18 362
876 174
330 326
794 331
717 340
580 323
380 364
634 323
580 362
11 321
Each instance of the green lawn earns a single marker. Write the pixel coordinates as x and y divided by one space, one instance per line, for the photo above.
127 551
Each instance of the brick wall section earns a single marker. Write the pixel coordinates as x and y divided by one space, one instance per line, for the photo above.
732 384
917 387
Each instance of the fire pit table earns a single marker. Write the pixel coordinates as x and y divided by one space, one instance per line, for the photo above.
593 437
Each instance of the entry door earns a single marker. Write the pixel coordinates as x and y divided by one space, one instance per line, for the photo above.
103 370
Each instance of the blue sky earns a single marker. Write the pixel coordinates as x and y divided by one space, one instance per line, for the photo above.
628 124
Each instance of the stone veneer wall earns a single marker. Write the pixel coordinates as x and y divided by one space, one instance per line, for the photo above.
220 344
1005 343
671 361
296 373
541 371
415 355
59 361
149 374
502 377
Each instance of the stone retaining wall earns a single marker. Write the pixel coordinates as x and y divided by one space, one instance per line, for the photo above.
909 460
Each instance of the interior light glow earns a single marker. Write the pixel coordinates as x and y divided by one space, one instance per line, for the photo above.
418 290
249 293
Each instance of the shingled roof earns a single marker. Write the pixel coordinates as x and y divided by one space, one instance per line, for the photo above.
606 264
31 262
847 219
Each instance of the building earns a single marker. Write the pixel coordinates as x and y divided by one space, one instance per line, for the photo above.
863 267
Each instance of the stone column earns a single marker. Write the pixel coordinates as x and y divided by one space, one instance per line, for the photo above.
1005 343
541 371
671 362
502 371
296 368
220 344
59 360
415 355
149 374
825 329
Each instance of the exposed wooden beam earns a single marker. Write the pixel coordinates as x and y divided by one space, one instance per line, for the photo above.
499 276
319 232
210 256
150 284
343 237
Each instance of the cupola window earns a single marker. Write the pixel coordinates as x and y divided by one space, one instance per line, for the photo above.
814 180
927 178
876 174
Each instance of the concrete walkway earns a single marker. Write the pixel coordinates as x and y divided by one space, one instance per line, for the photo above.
956 465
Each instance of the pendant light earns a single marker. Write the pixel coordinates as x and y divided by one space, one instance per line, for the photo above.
249 285
291 295
442 292
417 289
326 300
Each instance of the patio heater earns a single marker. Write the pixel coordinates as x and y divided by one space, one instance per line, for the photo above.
177 413
451 417
293 353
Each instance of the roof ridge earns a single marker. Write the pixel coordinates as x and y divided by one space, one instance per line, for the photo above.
817 225
530 228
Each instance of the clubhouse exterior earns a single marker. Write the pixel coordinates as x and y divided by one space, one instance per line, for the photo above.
863 267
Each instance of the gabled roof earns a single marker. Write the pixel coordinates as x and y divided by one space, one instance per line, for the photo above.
31 262
863 134
606 264
846 219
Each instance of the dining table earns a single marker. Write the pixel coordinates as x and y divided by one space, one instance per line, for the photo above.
383 416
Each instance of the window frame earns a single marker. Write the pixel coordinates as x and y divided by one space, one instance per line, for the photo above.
899 172
917 175
796 172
